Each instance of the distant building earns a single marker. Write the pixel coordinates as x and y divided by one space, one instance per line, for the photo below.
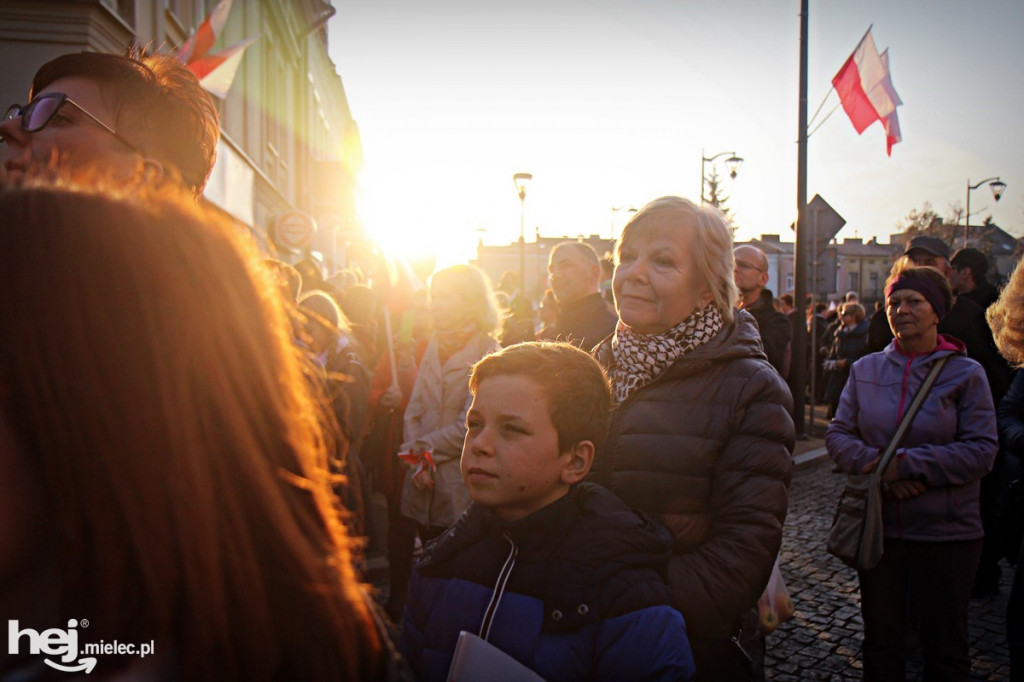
1003 249
852 265
288 138
495 260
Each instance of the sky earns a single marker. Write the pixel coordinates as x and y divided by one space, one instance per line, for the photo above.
612 103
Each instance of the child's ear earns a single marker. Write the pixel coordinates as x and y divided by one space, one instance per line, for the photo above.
576 468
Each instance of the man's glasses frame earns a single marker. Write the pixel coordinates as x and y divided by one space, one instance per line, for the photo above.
27 113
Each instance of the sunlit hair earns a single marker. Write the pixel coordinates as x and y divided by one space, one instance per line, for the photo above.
709 245
856 309
1006 317
477 295
288 279
150 379
158 106
573 383
321 308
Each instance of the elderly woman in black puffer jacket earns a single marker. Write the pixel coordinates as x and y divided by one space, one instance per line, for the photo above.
701 437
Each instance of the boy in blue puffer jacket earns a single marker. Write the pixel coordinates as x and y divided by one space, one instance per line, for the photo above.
557 573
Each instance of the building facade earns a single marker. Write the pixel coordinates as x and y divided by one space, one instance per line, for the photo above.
850 265
288 139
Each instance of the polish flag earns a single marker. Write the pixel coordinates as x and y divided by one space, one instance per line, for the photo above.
198 46
865 90
217 71
891 122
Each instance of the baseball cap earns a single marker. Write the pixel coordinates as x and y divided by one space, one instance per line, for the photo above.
970 258
932 245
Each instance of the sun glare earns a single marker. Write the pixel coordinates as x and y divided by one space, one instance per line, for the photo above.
404 220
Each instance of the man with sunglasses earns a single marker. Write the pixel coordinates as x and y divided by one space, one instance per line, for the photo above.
123 114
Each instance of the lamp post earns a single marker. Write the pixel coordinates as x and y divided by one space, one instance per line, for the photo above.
616 209
997 186
522 181
733 163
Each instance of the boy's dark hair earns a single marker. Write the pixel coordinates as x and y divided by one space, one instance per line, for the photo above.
575 386
158 106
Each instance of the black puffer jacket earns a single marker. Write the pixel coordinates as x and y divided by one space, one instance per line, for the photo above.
706 450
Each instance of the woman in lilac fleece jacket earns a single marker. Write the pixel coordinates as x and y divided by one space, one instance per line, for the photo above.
932 516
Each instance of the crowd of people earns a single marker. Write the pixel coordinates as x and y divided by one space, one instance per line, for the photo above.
191 431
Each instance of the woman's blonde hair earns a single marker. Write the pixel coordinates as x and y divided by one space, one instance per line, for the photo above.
1006 318
477 294
150 378
711 250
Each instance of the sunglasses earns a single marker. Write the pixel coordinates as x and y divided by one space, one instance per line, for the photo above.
38 113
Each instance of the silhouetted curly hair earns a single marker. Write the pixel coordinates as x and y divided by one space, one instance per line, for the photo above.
1006 317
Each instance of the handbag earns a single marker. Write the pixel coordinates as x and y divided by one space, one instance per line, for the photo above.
856 536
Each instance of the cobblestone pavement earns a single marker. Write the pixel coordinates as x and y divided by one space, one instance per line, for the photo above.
823 640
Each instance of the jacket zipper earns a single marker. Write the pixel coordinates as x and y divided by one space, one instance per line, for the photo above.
499 588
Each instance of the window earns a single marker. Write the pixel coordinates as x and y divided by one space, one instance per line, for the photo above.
854 281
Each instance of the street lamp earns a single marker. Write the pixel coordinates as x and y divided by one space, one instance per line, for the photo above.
616 209
522 181
733 163
997 186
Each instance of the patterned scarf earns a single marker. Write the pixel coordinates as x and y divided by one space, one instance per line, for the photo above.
640 358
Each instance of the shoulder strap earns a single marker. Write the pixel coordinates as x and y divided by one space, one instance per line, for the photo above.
908 416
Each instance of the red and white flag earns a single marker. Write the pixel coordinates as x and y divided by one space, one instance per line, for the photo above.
198 46
891 122
864 86
217 71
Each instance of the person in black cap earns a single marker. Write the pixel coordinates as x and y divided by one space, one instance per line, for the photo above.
965 321
968 277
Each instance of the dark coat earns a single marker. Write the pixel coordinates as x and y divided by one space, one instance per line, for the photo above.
983 294
775 329
584 599
1010 414
849 345
582 323
706 448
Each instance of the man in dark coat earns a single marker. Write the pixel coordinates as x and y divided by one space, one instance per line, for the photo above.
584 316
968 277
750 275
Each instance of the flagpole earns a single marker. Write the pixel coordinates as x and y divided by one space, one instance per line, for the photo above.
798 364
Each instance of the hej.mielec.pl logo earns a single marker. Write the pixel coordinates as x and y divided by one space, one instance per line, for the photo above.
64 645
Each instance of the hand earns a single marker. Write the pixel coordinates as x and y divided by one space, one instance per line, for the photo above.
891 474
391 398
904 489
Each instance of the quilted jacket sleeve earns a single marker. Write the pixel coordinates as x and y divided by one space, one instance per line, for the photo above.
717 581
